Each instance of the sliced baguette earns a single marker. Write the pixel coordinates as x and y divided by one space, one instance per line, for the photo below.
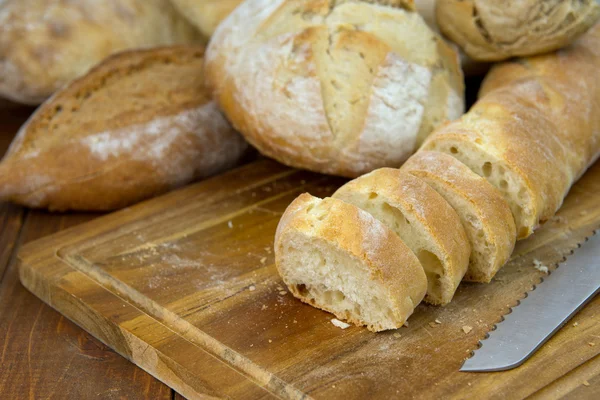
423 220
339 258
516 148
485 215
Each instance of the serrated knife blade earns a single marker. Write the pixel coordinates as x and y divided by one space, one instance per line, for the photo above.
543 312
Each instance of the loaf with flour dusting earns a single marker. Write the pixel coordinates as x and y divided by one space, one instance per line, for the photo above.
135 126
339 258
534 130
46 43
493 30
340 87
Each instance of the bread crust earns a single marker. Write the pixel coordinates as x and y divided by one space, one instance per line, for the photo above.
492 30
279 70
44 44
421 205
534 119
139 124
493 214
381 252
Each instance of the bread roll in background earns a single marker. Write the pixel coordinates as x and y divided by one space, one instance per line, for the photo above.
494 30
139 124
339 258
206 15
46 43
338 87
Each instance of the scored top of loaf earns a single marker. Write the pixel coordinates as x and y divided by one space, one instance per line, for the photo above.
129 88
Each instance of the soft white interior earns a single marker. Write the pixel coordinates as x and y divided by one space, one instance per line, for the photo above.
483 251
335 281
510 185
414 235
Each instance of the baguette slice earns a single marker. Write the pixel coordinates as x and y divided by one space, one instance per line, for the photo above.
339 258
137 125
485 215
423 220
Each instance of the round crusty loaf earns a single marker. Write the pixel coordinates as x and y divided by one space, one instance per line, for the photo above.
206 15
493 30
339 87
485 215
46 43
137 125
423 220
339 258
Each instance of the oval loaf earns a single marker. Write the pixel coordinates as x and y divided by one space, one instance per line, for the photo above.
139 124
494 30
338 87
46 43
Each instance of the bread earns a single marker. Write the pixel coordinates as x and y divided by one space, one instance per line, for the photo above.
46 43
339 258
206 15
137 125
485 215
492 30
533 132
423 220
336 87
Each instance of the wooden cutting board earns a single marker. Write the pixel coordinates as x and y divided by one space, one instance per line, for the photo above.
185 287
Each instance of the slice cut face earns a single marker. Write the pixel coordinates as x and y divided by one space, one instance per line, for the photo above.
339 258
485 215
424 221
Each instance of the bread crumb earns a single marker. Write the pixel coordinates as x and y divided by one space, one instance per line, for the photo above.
263 260
339 324
270 341
397 335
295 321
592 344
268 249
264 307
283 293
469 383
586 383
251 345
437 321
230 224
575 323
405 324
252 288
433 325
467 329
537 264
279 287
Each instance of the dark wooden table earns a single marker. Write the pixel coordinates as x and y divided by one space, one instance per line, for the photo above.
42 354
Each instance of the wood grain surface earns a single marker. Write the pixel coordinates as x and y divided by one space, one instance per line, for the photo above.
185 287
43 355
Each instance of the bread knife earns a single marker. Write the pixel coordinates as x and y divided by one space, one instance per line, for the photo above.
542 312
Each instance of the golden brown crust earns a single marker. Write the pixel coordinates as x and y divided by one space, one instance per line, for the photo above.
139 124
311 84
491 30
44 44
355 232
421 205
535 119
493 215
